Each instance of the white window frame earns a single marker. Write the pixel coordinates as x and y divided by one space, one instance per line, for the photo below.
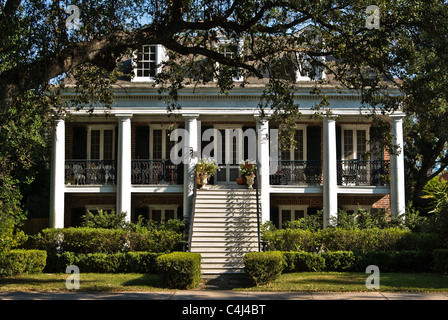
99 207
100 128
302 127
165 128
356 207
225 42
163 208
161 56
293 208
305 77
354 128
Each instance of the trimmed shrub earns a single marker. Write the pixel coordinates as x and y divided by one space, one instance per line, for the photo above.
91 240
19 261
121 262
355 240
180 270
398 261
339 260
441 261
301 261
263 267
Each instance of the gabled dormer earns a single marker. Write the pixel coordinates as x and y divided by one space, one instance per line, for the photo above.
147 62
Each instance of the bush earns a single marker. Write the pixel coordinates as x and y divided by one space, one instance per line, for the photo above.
339 260
180 270
301 261
263 267
19 261
356 240
398 261
129 262
441 261
93 240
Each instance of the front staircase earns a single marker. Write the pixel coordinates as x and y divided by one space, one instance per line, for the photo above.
224 228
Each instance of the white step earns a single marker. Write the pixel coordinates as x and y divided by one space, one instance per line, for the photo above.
224 228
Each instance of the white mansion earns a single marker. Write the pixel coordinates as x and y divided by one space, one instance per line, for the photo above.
122 160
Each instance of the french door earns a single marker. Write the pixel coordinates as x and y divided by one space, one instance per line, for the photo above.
229 153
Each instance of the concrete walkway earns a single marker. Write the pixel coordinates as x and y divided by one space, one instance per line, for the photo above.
221 295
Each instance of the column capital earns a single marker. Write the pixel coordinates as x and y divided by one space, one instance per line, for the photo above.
124 116
396 117
190 115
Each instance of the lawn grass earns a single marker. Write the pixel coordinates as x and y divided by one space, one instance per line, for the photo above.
104 282
355 282
298 282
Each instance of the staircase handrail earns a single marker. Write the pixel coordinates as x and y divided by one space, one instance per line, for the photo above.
192 210
258 206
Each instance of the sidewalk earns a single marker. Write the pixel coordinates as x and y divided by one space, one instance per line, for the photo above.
221 295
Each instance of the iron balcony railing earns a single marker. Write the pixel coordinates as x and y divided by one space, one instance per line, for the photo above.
363 172
155 172
349 173
297 172
90 172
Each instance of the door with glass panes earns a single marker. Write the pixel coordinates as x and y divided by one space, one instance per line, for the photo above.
228 143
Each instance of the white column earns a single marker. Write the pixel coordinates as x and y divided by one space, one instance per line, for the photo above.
191 145
57 176
397 187
330 192
263 167
124 165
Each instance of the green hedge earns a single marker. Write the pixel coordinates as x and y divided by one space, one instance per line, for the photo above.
296 261
348 261
93 240
263 267
441 261
398 261
356 240
180 270
19 261
121 262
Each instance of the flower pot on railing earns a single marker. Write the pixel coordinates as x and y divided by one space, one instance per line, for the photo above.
202 179
250 180
205 168
247 169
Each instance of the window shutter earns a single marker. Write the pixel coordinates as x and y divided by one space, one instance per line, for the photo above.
79 143
142 142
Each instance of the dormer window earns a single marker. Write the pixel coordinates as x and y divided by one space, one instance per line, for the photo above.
231 50
308 71
146 62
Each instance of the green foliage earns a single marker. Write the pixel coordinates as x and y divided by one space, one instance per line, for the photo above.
104 219
19 261
437 191
180 270
398 261
356 240
263 267
94 240
340 261
122 262
300 261
311 222
441 261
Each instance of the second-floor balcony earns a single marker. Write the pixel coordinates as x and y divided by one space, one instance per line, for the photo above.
104 172
289 172
349 173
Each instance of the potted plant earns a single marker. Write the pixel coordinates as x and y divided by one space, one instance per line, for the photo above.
247 170
205 168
